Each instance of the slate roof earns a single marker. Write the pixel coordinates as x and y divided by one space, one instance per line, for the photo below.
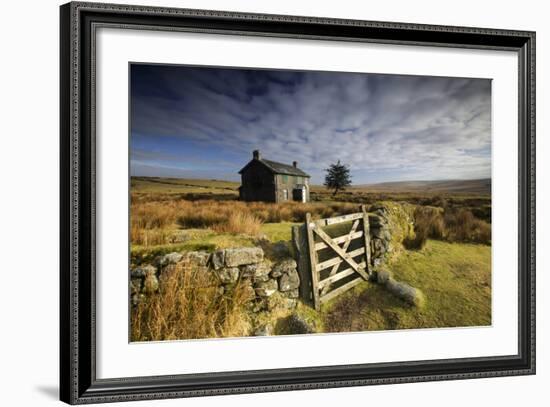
279 168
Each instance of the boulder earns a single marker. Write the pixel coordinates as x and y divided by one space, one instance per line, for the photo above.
257 271
261 273
248 270
197 258
283 267
382 276
407 293
143 271
290 281
244 255
266 288
228 275
218 259
170 258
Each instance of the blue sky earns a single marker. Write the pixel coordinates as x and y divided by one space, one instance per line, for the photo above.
201 122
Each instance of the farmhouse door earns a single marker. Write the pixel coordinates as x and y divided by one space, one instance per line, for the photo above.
299 194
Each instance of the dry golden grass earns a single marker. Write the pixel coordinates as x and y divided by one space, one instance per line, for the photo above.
188 306
240 222
463 226
151 221
451 224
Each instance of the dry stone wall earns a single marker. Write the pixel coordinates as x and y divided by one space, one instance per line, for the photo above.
246 264
267 277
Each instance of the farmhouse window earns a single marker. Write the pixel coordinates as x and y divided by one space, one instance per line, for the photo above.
285 179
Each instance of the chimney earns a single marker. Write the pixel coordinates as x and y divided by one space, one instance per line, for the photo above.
295 164
256 154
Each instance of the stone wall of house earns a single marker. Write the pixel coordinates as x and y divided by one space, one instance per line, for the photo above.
246 265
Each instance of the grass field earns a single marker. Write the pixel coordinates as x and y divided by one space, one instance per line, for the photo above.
449 261
455 278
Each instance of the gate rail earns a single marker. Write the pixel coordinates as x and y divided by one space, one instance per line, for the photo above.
331 265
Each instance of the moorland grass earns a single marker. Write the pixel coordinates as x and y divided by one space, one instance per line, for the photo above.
454 277
189 306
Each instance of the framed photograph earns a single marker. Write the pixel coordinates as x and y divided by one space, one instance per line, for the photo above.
255 203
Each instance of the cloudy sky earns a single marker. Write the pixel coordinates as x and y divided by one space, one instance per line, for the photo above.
199 122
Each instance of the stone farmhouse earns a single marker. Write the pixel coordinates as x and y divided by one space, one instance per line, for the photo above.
271 181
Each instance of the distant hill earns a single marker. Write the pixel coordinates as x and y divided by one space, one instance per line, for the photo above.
183 185
474 186
209 186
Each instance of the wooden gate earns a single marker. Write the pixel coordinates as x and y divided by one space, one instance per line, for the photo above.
334 255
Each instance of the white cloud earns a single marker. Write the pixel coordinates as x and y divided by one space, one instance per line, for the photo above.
417 127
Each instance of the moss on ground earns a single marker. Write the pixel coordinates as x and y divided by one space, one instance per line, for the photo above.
278 231
455 278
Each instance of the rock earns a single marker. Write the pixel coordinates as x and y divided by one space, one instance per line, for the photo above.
289 281
298 325
257 271
198 258
378 244
220 290
170 258
250 293
150 284
283 267
290 303
382 276
264 330
218 259
280 249
143 271
248 270
381 233
242 256
261 271
376 261
228 275
407 293
377 220
292 293
266 288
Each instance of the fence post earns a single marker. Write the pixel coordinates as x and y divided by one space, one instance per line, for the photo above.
313 263
366 235
299 241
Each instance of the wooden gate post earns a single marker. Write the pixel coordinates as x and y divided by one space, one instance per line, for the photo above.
366 236
299 241
313 263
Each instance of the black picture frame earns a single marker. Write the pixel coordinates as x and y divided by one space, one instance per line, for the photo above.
78 382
